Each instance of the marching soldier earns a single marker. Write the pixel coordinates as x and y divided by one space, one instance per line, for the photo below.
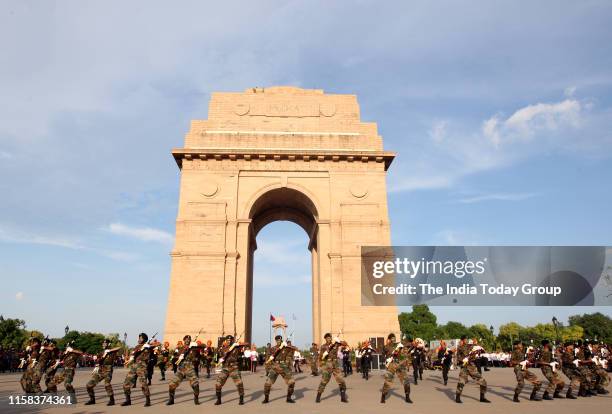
366 359
68 363
102 371
279 363
29 362
521 369
52 365
175 355
47 354
570 370
188 355
230 353
418 359
208 354
599 367
314 354
163 358
151 365
396 358
466 356
328 359
549 370
583 357
138 370
445 356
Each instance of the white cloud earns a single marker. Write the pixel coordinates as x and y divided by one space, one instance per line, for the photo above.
19 295
18 236
141 233
528 121
497 197
438 131
569 91
453 153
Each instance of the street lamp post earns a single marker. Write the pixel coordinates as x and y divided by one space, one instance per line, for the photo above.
66 329
493 338
555 322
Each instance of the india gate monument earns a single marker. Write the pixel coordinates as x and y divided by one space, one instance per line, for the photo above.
278 153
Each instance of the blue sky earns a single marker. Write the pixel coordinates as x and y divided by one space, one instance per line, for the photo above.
501 115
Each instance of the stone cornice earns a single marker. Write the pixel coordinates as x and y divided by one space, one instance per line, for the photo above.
313 155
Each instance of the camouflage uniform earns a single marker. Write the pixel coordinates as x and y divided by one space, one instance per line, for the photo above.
314 354
555 383
66 375
104 373
329 366
468 368
164 357
230 369
586 382
138 370
51 368
46 355
522 374
399 359
186 370
31 360
571 372
281 365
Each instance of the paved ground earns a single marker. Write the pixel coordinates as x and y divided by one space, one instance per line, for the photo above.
430 396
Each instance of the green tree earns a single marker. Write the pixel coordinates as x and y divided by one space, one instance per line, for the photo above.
420 323
12 333
595 325
483 334
571 333
452 330
508 332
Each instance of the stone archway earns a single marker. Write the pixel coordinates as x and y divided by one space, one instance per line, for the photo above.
279 153
282 204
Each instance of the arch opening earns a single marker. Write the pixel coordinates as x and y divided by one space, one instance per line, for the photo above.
283 204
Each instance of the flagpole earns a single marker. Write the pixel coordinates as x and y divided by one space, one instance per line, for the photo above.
270 322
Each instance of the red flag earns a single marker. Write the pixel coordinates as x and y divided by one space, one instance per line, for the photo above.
272 318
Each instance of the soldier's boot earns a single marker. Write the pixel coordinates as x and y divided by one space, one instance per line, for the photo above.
111 400
128 400
458 398
582 390
407 392
318 397
46 391
343 395
241 400
546 396
516 397
73 398
170 398
147 401
218 402
534 394
266 398
92 397
196 395
483 390
602 391
289 394
382 397
557 393
569 394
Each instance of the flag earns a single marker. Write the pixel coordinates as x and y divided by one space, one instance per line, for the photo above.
272 318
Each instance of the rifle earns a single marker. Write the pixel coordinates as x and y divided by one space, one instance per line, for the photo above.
187 349
235 345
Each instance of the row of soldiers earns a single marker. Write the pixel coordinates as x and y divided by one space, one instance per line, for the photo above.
580 364
583 363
